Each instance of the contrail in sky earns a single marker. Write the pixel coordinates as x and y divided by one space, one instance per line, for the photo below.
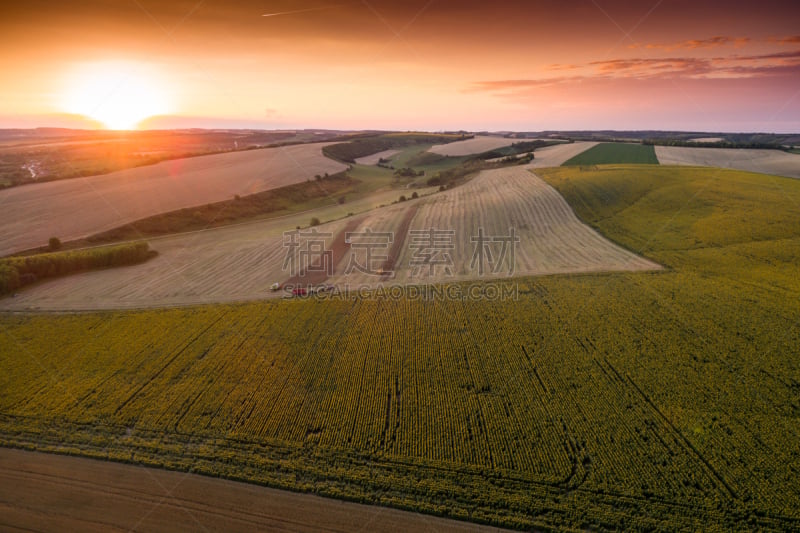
298 11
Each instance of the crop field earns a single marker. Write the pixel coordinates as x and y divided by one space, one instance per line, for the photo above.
476 145
629 400
77 207
242 262
615 153
775 162
553 156
35 156
551 239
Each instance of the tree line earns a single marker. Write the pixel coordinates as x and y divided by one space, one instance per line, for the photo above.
16 272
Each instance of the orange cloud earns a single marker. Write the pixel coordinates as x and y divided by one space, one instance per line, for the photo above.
558 66
694 44
791 39
781 64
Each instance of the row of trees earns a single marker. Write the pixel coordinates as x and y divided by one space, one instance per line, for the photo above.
16 272
361 147
715 144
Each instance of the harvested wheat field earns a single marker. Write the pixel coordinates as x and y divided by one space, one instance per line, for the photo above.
476 145
225 264
43 492
551 238
68 209
774 162
374 159
242 262
554 156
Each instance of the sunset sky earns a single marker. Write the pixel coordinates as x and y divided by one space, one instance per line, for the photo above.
522 65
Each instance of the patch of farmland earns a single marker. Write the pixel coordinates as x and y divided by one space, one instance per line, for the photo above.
365 267
374 159
774 162
74 208
615 154
226 264
476 145
51 492
242 262
551 238
554 156
631 401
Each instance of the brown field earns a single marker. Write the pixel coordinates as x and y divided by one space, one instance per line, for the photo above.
773 162
241 262
476 145
375 158
69 209
42 492
553 156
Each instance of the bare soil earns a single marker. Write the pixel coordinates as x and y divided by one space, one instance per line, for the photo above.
43 492
339 248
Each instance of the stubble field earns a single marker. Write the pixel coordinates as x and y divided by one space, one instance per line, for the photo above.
775 162
476 145
68 209
242 262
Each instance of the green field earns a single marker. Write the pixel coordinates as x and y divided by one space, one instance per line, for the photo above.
615 154
660 400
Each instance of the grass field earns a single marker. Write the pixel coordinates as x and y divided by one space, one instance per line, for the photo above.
374 159
661 400
615 153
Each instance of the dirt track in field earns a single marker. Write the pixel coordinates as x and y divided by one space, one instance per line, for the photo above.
396 249
242 262
73 208
773 162
43 492
316 271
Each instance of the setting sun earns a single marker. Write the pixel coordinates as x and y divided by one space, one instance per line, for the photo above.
119 95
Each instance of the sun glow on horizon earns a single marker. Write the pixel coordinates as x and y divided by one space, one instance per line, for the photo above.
120 95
